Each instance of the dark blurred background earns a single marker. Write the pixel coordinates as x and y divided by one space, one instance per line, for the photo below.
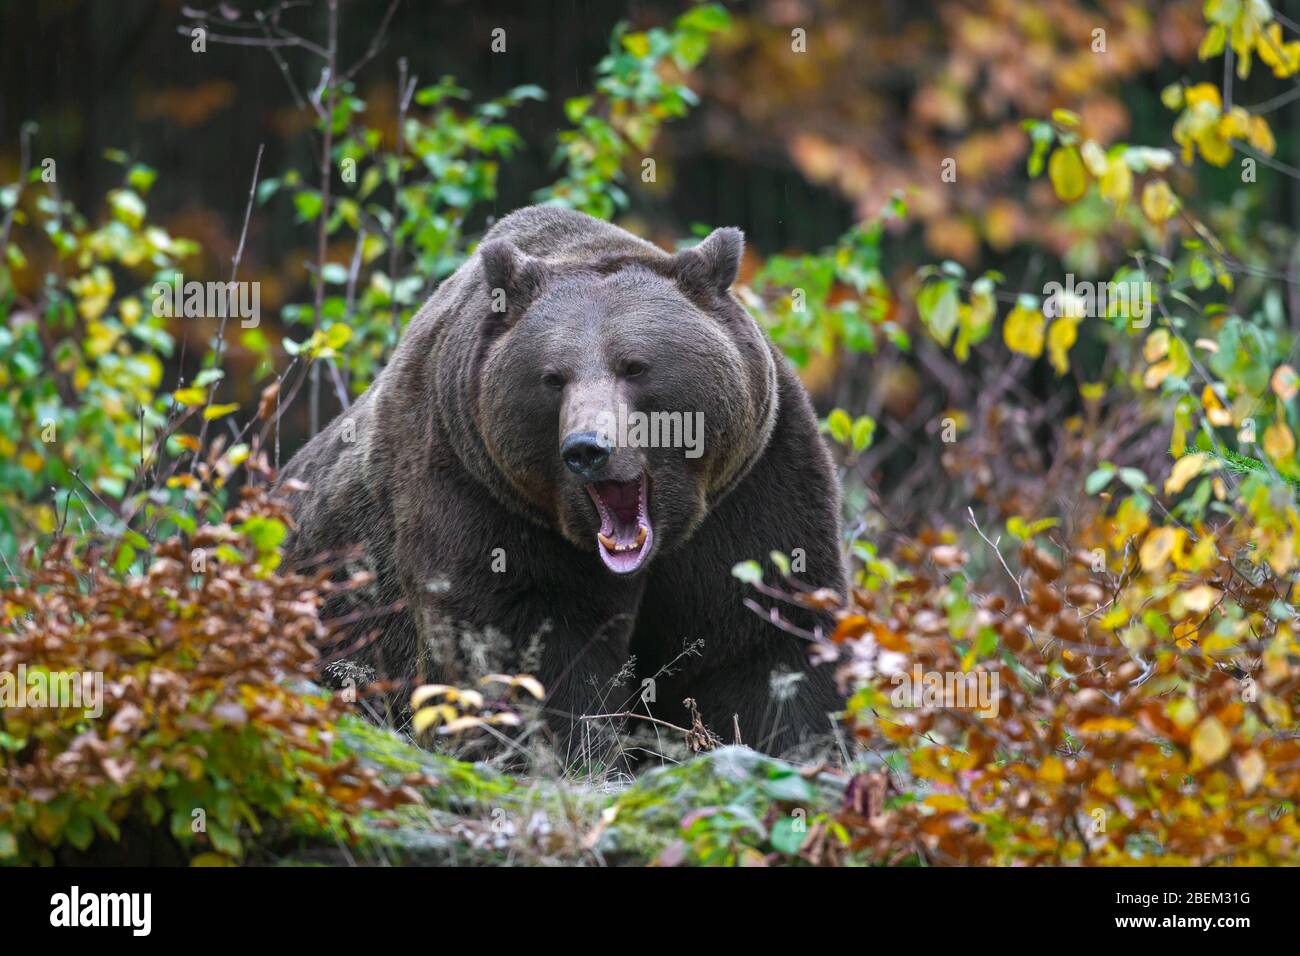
117 73
792 148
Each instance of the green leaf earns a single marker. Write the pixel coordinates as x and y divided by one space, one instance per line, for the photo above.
308 203
789 787
141 177
79 831
265 534
937 304
1133 477
707 18
788 834
840 425
127 207
575 108
750 572
334 273
864 430
338 335
1098 480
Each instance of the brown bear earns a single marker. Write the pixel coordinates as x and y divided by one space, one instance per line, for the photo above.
578 437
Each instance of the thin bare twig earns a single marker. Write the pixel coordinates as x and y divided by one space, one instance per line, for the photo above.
219 347
970 513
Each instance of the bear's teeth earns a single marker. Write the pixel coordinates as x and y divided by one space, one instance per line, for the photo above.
611 544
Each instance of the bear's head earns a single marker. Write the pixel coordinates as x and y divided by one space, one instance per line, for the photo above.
621 400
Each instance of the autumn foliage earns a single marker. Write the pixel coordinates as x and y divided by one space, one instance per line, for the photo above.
1084 505
1143 714
206 730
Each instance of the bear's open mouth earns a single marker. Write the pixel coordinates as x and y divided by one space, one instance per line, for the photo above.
625 534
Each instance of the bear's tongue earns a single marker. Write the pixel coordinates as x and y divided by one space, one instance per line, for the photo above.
625 531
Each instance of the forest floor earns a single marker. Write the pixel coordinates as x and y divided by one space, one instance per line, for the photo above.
730 805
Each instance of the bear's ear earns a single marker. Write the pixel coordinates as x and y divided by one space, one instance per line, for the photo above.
513 278
711 267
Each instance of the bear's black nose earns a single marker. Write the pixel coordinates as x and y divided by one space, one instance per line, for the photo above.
585 454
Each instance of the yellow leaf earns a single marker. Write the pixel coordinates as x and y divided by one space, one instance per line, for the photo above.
1158 201
461 723
426 718
1279 443
532 685
130 311
638 44
1117 182
470 698
1215 145
1157 548
1182 712
1250 770
1214 410
218 411
1063 334
526 681
1187 468
1106 725
155 370
1052 770
1066 170
338 335
1261 136
1202 555
1094 158
1200 598
1023 331
194 397
1285 383
1130 521
1210 742
1282 58
1204 93
1156 346
945 802
427 692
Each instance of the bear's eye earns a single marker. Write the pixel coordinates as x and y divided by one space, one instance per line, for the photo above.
553 380
634 369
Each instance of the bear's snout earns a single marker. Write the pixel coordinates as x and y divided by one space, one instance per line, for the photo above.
586 454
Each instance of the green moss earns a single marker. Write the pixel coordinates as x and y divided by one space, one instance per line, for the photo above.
715 808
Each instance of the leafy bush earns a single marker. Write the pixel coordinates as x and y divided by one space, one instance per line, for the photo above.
1142 715
204 728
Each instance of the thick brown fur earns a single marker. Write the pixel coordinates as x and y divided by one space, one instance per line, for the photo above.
449 467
